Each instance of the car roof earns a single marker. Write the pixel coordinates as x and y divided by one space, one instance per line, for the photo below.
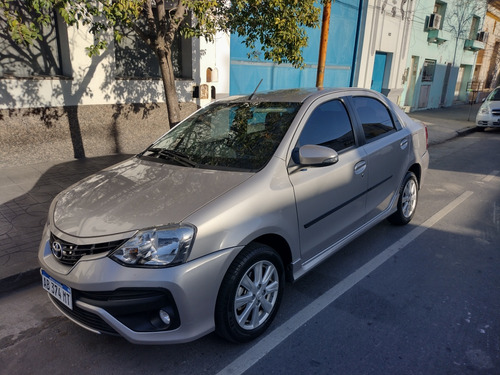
298 95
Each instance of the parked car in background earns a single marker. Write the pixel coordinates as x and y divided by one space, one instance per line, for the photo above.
200 231
488 115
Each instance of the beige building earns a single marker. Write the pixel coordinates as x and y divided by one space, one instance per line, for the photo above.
487 69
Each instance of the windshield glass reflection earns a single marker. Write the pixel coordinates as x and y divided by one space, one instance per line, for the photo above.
227 135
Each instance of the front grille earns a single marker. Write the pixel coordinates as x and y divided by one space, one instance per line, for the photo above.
86 318
70 253
495 112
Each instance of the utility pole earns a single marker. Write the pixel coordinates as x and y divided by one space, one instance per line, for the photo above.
325 27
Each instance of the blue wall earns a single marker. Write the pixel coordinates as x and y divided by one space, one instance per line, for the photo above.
245 74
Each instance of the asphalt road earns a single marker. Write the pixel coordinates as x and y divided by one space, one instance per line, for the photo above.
419 299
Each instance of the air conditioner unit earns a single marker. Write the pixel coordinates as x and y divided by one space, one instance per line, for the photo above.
482 36
434 21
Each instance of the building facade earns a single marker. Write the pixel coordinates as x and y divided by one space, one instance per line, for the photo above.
385 43
445 39
487 67
56 70
341 59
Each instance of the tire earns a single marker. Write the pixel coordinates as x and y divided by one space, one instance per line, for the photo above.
480 128
250 294
407 202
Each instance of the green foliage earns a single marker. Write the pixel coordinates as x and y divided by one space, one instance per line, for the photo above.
274 27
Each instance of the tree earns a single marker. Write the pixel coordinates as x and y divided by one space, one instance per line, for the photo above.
459 18
276 27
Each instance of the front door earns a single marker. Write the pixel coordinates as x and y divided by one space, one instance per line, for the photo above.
330 199
378 71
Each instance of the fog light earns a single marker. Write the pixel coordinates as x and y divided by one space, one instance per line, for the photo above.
165 317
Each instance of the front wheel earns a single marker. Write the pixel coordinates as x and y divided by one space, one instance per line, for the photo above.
250 294
407 202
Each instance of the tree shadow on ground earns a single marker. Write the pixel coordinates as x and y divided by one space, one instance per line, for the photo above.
23 215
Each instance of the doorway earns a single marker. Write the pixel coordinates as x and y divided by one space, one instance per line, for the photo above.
459 82
411 83
379 67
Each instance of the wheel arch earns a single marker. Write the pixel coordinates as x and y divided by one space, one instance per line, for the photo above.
281 246
417 171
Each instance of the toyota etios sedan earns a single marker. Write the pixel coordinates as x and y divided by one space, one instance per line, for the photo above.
199 231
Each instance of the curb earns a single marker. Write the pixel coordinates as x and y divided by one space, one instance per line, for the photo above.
465 131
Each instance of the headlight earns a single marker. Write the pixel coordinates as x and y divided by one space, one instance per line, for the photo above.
484 110
157 247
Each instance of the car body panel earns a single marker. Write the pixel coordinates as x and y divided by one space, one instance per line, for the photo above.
138 194
327 207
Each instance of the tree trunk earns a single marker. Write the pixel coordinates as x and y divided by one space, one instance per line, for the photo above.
167 74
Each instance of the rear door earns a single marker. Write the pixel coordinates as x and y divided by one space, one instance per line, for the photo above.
330 199
386 145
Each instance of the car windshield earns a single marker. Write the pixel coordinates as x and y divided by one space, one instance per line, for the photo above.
495 95
239 135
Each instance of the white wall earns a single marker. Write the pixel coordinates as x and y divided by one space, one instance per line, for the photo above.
92 79
386 30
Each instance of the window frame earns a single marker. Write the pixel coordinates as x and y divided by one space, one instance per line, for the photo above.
21 61
312 110
182 55
426 64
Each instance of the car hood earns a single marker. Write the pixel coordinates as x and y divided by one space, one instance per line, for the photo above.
138 194
491 104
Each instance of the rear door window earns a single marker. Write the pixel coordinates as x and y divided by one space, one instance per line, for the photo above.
374 116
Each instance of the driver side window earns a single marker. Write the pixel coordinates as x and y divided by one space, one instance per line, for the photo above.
328 125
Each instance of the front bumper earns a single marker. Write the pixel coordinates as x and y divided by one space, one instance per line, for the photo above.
110 298
487 121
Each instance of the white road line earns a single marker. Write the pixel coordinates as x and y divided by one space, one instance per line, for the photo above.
491 176
274 338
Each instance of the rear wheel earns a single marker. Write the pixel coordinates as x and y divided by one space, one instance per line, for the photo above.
407 202
250 294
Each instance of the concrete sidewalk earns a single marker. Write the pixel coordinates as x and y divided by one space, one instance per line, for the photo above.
444 124
27 191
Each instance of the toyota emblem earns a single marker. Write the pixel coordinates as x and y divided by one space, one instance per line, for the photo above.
57 249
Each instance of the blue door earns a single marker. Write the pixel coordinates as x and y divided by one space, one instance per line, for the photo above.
378 71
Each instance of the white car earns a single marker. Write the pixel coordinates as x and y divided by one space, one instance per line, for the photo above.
488 115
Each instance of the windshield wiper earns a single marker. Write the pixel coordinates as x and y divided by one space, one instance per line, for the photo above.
177 156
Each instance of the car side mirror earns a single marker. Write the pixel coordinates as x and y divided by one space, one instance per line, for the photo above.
319 156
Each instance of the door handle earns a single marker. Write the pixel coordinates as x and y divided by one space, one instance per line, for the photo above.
360 167
403 144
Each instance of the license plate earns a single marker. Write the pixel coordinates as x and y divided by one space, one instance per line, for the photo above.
60 291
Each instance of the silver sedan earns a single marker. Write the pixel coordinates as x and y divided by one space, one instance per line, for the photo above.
200 231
